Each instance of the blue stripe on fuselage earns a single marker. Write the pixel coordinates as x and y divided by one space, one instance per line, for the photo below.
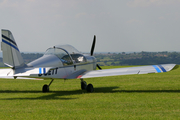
10 44
40 72
157 69
44 70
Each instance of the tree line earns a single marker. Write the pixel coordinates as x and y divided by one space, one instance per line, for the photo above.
138 58
134 58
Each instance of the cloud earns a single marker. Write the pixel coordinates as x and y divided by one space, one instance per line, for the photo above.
147 3
161 18
79 15
133 21
7 3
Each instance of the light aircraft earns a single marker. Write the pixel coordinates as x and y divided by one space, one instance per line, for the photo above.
63 62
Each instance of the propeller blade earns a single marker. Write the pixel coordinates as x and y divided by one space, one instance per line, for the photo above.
93 45
99 67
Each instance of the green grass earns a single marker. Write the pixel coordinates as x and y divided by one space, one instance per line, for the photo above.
149 96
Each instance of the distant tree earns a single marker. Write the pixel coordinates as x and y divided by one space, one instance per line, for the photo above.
123 53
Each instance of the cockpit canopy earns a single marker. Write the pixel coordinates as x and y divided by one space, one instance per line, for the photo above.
67 54
70 49
62 55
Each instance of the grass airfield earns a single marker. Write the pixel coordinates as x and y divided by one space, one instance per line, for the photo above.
148 96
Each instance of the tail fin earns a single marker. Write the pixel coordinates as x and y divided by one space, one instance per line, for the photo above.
11 54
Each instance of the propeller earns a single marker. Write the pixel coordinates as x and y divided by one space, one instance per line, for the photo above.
93 45
92 50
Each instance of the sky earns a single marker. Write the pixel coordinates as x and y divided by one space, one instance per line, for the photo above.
119 25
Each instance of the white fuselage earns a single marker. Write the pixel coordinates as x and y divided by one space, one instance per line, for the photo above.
60 70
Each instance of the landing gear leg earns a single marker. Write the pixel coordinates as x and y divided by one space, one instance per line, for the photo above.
46 87
88 87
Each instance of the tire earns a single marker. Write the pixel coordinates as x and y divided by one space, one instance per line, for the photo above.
83 85
90 88
45 88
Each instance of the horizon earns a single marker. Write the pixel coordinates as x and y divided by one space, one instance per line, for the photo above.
101 52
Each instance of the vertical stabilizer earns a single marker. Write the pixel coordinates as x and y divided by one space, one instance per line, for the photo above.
11 54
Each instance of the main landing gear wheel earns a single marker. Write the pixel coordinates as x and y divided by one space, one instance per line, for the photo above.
83 85
45 88
90 88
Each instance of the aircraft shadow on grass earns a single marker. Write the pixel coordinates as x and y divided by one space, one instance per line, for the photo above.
66 95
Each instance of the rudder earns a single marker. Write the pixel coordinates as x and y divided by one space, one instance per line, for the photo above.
11 54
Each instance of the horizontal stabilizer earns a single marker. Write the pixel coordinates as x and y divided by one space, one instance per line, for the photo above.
24 72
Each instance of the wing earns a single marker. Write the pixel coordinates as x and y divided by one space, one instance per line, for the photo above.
128 71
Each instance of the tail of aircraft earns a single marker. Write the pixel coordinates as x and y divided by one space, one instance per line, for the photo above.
11 54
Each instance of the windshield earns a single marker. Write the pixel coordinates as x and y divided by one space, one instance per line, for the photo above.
61 54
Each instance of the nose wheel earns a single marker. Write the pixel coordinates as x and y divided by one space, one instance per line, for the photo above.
89 88
45 87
